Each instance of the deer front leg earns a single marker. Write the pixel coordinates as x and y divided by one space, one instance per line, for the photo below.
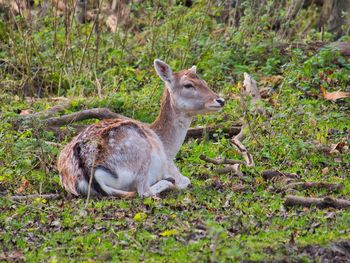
181 182
157 188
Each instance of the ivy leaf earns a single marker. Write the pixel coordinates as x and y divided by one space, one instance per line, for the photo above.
168 233
139 217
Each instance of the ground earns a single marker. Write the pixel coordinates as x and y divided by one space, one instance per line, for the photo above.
208 222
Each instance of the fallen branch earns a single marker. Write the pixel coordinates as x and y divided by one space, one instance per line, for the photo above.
42 196
50 112
342 47
234 166
271 174
240 187
220 161
308 185
236 169
200 132
96 113
42 115
325 202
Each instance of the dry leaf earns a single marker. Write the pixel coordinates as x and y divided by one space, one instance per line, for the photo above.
325 170
23 187
112 22
273 100
250 87
266 92
338 160
12 256
270 81
333 96
59 5
89 16
26 112
337 147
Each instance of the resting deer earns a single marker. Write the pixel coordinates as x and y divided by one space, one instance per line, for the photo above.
125 156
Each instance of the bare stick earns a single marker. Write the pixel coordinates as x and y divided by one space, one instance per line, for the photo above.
308 185
240 187
97 113
199 132
236 141
270 174
236 169
342 47
325 202
26 119
220 161
43 196
249 161
51 111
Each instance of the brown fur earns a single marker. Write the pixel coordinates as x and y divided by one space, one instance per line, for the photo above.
95 147
93 139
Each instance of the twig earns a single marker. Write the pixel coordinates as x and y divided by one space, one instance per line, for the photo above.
220 161
271 174
325 202
46 113
43 196
342 47
236 141
240 187
308 185
199 132
236 169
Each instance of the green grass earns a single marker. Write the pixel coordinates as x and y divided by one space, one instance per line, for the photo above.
208 222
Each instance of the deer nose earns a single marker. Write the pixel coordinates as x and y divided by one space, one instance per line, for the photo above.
221 101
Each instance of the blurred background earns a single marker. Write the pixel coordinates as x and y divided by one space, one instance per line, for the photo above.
83 48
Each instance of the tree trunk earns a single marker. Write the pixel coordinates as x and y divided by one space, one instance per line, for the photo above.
333 17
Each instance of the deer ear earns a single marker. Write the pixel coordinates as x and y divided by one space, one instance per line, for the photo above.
163 70
193 70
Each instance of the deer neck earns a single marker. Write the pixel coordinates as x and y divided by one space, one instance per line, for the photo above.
171 126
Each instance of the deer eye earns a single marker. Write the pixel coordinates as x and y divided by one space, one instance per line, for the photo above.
189 86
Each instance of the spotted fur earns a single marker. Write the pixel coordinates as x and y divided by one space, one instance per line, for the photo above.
124 157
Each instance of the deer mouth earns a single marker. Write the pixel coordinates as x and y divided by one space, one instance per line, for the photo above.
214 107
217 104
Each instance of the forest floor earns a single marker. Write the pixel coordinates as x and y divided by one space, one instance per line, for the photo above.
221 217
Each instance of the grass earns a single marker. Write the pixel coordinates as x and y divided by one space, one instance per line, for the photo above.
210 221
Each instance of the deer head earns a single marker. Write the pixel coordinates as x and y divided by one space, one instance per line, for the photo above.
189 94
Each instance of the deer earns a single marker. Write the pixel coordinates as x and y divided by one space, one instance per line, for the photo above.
125 157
